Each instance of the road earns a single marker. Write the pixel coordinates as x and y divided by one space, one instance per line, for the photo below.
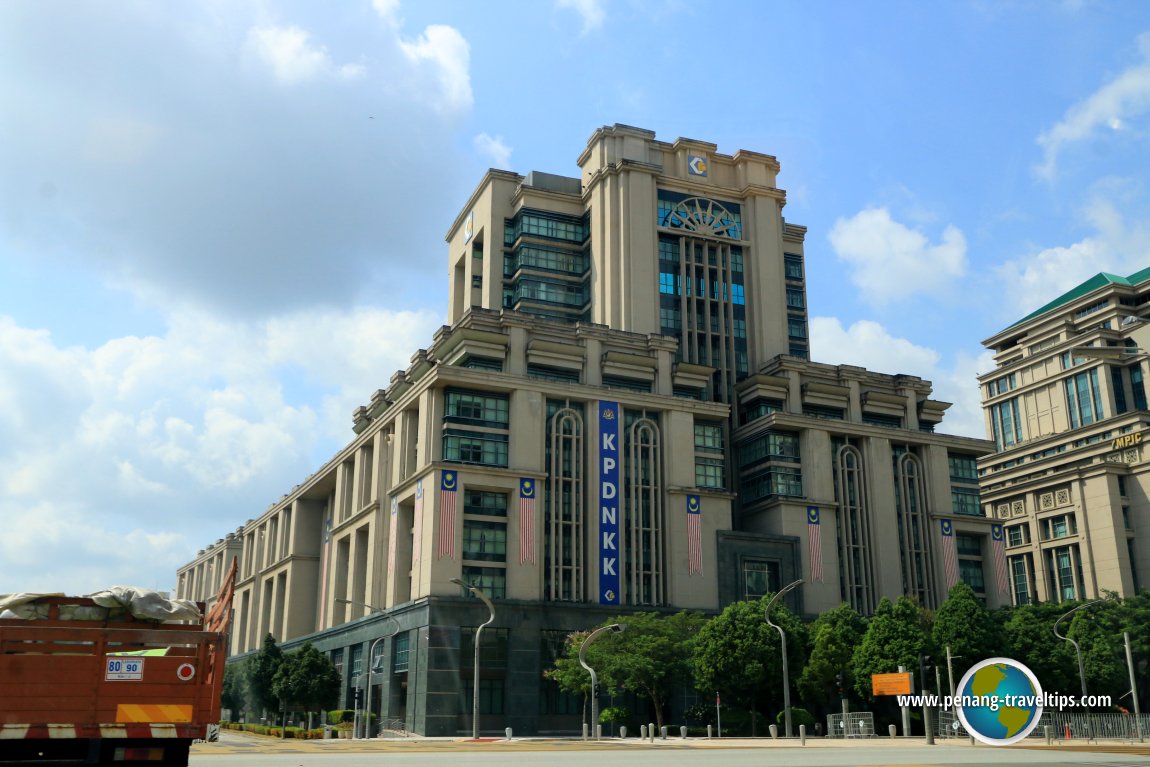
250 751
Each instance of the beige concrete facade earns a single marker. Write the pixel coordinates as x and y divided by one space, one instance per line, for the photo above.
1066 405
624 347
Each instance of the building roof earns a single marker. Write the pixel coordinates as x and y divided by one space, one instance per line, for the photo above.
1097 281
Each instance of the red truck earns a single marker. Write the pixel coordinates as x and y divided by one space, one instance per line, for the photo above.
87 690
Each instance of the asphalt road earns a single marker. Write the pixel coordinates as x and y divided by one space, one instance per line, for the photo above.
247 751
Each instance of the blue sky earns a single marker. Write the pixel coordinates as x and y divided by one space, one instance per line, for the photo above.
221 223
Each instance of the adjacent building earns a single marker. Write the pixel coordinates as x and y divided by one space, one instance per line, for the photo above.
620 415
1066 406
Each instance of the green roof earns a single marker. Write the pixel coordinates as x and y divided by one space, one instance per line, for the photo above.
1097 281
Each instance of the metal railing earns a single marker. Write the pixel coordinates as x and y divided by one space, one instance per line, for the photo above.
1108 726
858 724
393 728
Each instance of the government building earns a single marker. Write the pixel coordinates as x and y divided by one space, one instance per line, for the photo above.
621 415
1066 406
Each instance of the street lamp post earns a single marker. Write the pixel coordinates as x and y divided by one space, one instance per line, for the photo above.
1077 649
613 627
475 653
783 641
370 662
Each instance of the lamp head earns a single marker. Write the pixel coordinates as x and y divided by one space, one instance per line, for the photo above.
618 628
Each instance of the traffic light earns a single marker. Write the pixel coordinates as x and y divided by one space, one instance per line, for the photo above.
840 682
926 670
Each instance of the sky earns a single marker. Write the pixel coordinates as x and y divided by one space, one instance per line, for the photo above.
222 221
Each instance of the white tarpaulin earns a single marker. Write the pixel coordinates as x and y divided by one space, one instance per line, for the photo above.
141 603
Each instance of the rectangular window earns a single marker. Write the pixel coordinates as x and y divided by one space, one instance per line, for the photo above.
1083 398
760 577
1018 577
709 437
796 327
796 298
964 500
970 572
968 545
709 472
476 407
963 468
778 481
793 265
493 653
822 411
1006 423
886 421
552 646
1017 535
491 694
545 373
630 384
485 541
484 503
737 294
1119 390
493 581
668 284
1138 388
401 645
760 408
482 363
770 446
469 447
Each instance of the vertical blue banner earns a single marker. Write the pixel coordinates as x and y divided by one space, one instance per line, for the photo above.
608 503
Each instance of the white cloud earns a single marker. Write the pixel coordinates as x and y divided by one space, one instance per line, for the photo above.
591 12
494 148
165 442
875 246
869 345
1113 105
288 53
445 56
1114 245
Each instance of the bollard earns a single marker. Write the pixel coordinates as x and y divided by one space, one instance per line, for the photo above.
598 732
774 728
642 732
708 732
584 731
683 732
507 732
623 731
802 734
1049 736
663 732
892 730
651 731
972 741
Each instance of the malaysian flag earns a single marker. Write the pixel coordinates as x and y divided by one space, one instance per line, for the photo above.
694 536
998 551
447 492
527 489
417 523
949 552
815 543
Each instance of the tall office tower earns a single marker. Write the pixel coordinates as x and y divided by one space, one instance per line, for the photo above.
654 238
1066 407
620 415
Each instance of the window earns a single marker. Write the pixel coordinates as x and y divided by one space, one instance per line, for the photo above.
401 647
485 540
709 472
484 503
1002 385
796 298
552 226
777 481
963 468
770 445
630 384
553 645
1016 535
822 411
1083 398
1060 573
547 259
796 327
964 500
1019 579
545 373
759 408
1138 388
968 545
483 363
1059 527
886 421
1006 423
760 578
793 265
476 407
970 573
668 284
1119 392
493 651
709 437
468 447
493 581
491 694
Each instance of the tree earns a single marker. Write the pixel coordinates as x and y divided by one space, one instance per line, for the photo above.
262 668
568 674
234 696
834 637
738 654
307 679
964 624
1030 640
896 635
650 657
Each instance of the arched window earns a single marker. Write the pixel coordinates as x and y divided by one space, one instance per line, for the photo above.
856 563
914 542
643 549
565 523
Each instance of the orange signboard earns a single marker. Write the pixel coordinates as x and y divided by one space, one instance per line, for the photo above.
890 684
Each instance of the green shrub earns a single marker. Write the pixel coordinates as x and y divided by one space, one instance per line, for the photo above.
341 715
798 716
